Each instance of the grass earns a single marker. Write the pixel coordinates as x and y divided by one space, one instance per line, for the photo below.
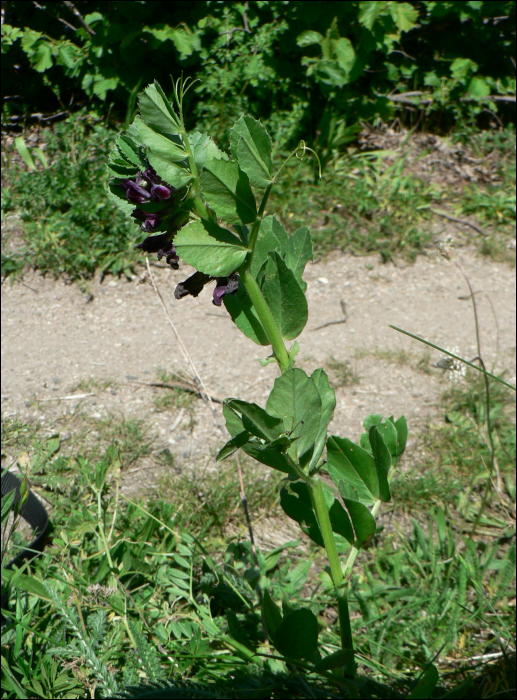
59 219
436 585
342 373
420 362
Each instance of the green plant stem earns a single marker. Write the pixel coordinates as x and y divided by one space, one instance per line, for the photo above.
322 514
266 319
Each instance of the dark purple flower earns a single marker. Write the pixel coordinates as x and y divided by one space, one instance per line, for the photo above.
224 286
135 193
150 221
193 285
160 192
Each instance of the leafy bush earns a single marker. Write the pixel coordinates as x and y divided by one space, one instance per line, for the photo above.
69 227
303 68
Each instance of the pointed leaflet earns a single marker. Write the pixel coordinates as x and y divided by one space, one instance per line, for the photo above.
237 631
300 509
362 520
204 148
118 196
244 316
352 469
401 428
251 147
271 236
272 614
382 458
299 252
210 248
328 404
228 192
285 297
234 423
256 420
295 399
233 445
156 110
297 635
268 456
132 151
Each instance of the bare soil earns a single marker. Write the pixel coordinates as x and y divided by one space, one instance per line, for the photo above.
56 339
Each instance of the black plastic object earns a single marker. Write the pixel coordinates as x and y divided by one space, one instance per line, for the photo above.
35 514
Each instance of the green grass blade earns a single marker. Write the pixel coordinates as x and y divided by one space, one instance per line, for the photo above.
446 352
24 152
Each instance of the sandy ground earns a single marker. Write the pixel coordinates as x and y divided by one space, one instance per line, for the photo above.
53 337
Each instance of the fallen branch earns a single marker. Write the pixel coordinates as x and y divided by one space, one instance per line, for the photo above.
177 385
459 221
334 323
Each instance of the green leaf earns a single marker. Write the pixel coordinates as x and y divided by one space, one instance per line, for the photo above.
402 432
269 456
340 521
233 420
425 686
352 469
285 297
344 53
256 420
299 508
297 635
461 67
33 586
296 399
233 445
204 148
244 316
118 197
478 87
362 520
369 11
328 404
228 192
251 147
298 252
167 148
157 112
272 614
404 15
382 458
132 151
210 248
338 659
309 38
237 631
271 236
24 152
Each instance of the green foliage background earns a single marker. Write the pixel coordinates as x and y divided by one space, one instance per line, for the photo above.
306 69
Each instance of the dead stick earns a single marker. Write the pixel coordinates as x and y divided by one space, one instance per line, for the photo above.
244 502
460 221
176 385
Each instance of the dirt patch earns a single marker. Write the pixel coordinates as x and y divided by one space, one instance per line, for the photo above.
67 360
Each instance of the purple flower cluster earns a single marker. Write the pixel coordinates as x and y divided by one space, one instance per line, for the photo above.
147 188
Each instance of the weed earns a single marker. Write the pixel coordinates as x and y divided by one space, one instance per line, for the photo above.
417 362
93 385
69 226
343 374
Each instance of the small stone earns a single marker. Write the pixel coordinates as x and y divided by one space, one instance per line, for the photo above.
323 280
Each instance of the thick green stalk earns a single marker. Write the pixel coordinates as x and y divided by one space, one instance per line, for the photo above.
322 514
266 318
